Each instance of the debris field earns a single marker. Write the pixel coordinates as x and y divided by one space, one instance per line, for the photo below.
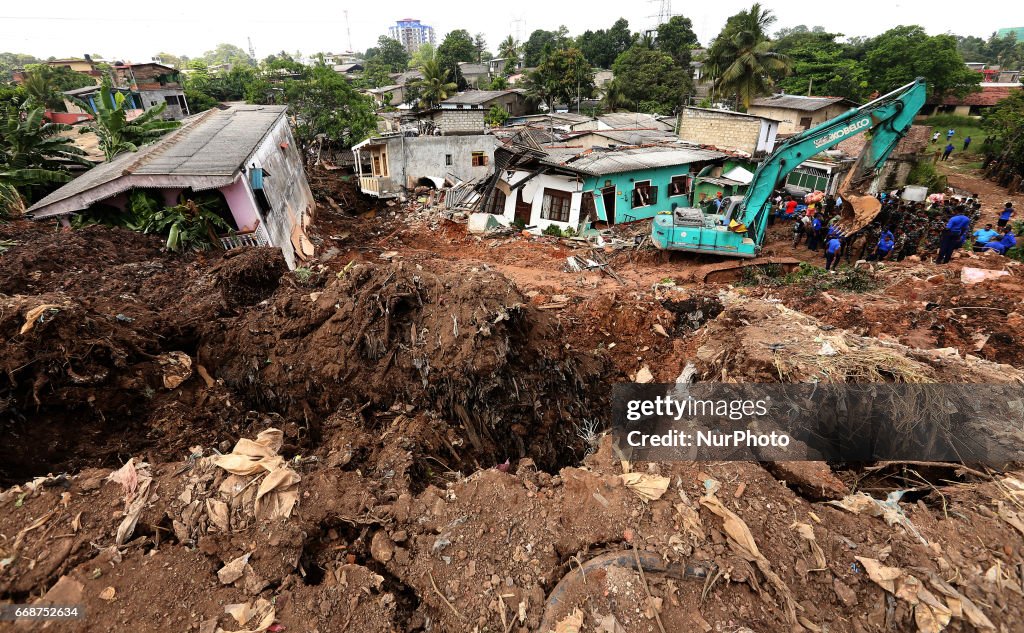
409 434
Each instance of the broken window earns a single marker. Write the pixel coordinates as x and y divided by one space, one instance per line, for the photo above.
587 208
679 186
496 203
805 122
556 205
644 195
448 160
479 159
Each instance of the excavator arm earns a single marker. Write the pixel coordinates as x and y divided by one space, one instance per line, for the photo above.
887 119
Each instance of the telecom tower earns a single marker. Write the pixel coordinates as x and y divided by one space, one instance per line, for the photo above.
252 51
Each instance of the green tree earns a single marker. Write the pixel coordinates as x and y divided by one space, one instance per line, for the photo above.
9 62
458 46
650 78
480 44
389 54
601 47
821 65
33 156
227 54
496 116
172 60
740 60
424 53
676 37
434 87
116 133
541 40
1005 144
509 51
325 103
564 75
903 53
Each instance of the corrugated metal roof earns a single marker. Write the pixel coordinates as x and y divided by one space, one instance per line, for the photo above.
478 96
798 102
616 120
637 158
208 148
633 137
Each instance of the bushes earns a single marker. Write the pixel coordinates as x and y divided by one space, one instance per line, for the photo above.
924 173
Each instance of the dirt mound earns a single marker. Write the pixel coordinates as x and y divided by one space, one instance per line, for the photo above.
246 277
464 344
753 340
47 260
726 547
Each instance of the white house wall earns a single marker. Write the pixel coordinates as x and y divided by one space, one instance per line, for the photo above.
533 193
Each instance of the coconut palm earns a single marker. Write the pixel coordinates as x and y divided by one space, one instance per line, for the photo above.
117 134
740 62
40 89
509 51
434 87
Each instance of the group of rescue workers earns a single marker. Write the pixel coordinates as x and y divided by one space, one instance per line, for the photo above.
901 229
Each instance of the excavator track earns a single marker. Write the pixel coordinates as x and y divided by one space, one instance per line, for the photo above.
732 269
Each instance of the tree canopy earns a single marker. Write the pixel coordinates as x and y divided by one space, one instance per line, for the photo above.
820 65
564 75
676 37
325 103
457 46
602 47
650 80
904 53
540 41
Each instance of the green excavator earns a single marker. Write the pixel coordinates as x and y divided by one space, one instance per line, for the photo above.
737 229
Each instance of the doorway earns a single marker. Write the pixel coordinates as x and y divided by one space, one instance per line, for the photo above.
523 209
608 197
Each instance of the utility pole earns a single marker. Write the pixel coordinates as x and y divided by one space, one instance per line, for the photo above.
348 29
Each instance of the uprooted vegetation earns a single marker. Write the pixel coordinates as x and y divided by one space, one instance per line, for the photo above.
427 470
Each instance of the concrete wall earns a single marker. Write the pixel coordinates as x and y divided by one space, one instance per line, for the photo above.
459 121
533 193
789 120
153 98
720 129
242 204
415 157
292 204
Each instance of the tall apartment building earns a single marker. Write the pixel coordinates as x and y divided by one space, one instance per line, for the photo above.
411 34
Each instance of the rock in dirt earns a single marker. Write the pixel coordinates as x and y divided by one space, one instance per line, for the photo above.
813 480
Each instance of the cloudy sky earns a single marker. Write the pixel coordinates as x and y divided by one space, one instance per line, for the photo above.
136 31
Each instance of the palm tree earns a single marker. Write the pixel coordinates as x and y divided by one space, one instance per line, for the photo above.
434 87
614 96
32 155
740 62
509 51
116 133
40 89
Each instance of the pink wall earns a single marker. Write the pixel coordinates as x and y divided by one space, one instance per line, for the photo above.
241 203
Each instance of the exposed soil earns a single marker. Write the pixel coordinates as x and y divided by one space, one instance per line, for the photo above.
442 398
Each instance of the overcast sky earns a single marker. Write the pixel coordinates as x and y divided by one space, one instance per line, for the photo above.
138 30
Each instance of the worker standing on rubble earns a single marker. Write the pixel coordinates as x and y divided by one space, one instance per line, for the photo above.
814 236
1006 215
832 248
956 232
885 245
799 230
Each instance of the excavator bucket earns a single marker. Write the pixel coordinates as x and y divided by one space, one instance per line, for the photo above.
859 208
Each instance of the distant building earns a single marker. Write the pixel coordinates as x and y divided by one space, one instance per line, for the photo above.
1017 32
399 163
244 155
797 113
412 34
153 84
754 135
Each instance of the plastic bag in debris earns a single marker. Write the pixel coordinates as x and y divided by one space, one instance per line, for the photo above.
278 492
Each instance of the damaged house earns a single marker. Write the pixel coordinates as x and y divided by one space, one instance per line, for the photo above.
243 159
399 163
539 188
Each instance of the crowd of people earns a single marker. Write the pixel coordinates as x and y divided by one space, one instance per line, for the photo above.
934 228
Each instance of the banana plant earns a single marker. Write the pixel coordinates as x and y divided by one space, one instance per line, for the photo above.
117 134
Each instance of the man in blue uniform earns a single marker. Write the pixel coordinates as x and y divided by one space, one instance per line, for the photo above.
952 237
